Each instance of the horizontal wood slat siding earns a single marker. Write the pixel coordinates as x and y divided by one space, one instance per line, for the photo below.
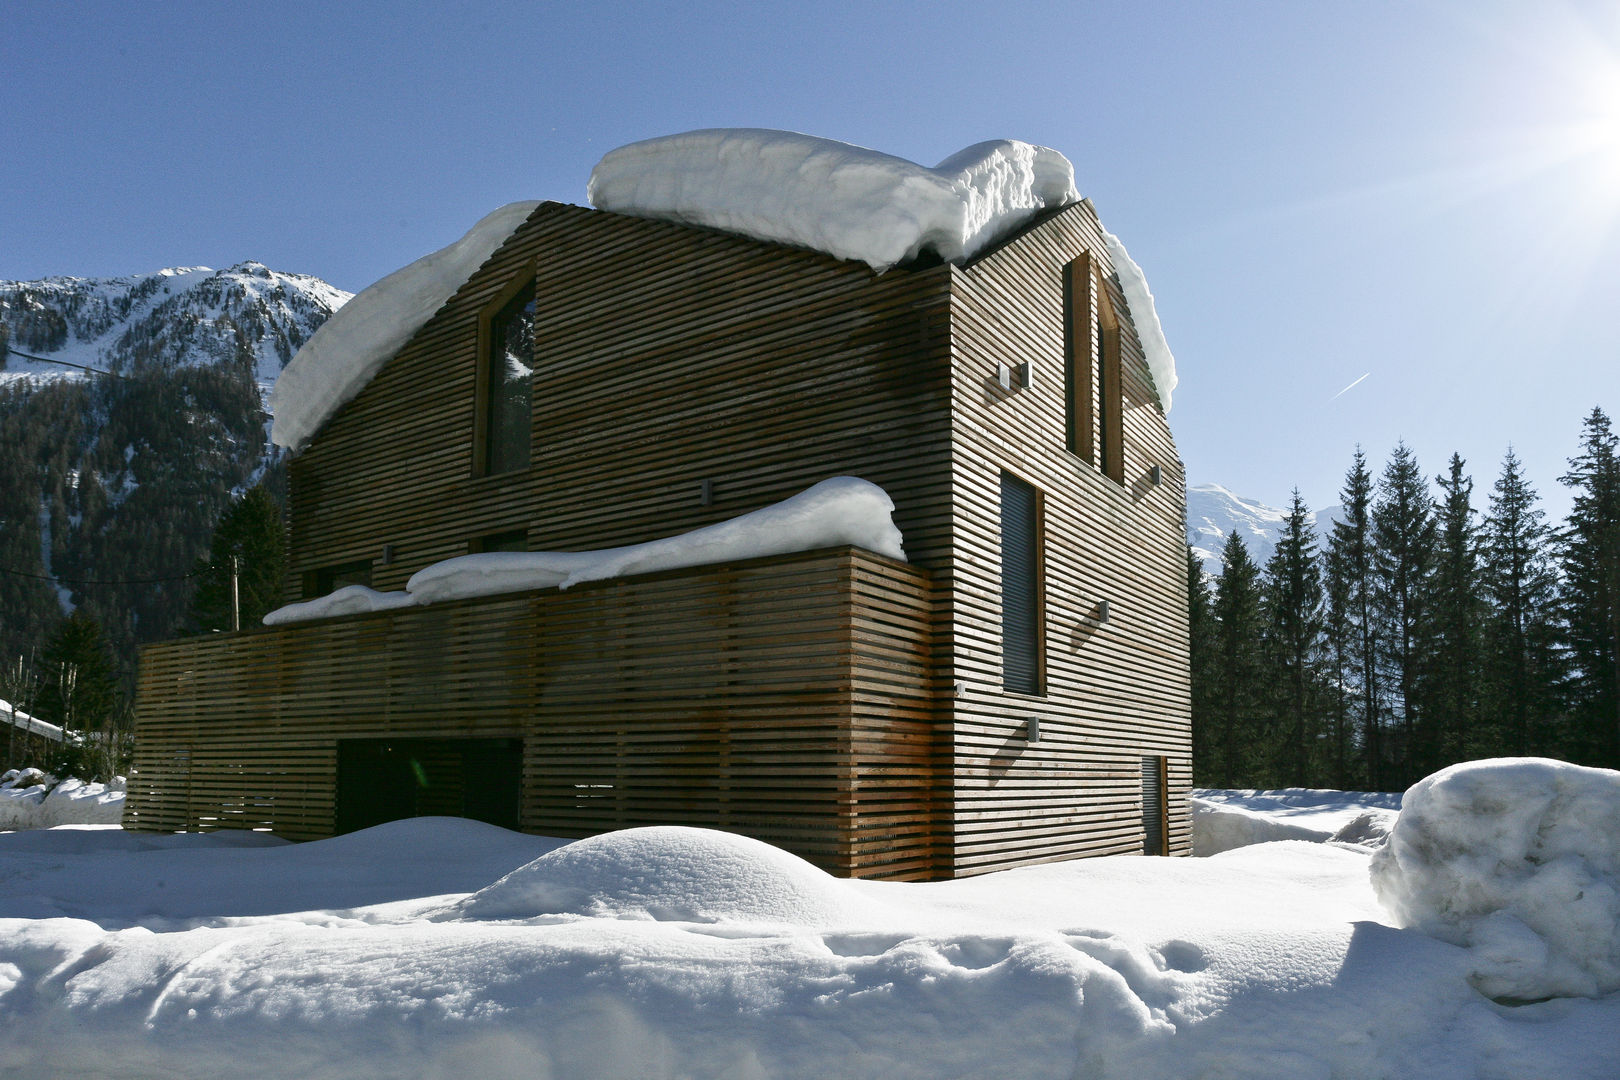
1114 691
787 698
665 356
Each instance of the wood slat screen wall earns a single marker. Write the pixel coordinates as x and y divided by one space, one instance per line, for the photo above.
668 356
1115 691
664 356
787 698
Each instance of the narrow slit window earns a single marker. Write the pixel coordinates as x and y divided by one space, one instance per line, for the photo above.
1077 360
1022 667
508 371
1110 390
1155 805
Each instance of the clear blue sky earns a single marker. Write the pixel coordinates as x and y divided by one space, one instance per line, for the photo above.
1424 193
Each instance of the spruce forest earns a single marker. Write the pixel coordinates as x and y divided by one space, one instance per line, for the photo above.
134 465
1431 627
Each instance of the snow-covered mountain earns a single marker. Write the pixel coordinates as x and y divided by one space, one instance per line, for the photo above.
1213 513
109 483
180 317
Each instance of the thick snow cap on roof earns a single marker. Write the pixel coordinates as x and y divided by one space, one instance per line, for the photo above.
859 204
844 200
341 357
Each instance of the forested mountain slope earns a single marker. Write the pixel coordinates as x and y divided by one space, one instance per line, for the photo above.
112 472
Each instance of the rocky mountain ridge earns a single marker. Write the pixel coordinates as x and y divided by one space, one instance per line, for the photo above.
244 315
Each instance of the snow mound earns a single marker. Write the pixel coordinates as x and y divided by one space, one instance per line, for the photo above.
844 200
29 801
667 873
1518 859
1224 819
341 357
836 511
349 600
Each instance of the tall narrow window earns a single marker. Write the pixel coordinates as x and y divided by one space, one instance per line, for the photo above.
1077 359
1021 659
1110 391
1155 805
506 378
1094 404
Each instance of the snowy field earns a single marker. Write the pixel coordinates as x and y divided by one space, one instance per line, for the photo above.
441 947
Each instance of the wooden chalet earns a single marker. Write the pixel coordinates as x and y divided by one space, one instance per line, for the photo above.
1015 692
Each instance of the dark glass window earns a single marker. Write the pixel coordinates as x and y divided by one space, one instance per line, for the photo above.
328 579
1020 587
509 365
511 540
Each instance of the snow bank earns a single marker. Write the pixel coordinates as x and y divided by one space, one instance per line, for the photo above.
185 957
29 801
1145 317
845 200
341 357
349 600
840 510
837 511
668 874
1518 859
1224 819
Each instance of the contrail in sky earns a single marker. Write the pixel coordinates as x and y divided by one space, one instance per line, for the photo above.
1347 389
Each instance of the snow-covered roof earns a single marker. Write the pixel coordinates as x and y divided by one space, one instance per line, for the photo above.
781 186
831 196
10 714
341 357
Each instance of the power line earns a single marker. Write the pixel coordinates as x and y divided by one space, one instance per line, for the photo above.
64 363
94 581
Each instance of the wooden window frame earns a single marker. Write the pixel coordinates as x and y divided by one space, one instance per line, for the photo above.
1078 364
1093 384
1111 389
481 404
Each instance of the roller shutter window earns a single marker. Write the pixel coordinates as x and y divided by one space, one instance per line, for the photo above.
1020 587
1155 805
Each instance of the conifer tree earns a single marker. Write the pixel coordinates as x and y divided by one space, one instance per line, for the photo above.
1237 698
1200 635
1291 636
1353 587
1403 541
250 531
1590 554
1520 669
1452 636
78 687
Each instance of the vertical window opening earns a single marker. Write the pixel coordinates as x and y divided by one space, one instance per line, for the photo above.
1111 391
1155 805
1022 667
508 367
1077 359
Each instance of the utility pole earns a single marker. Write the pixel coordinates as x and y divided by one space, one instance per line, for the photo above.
236 596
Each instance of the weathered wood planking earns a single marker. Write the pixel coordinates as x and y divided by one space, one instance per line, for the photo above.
786 697
1114 691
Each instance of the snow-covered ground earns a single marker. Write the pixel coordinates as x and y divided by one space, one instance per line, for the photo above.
1227 819
440 947
30 799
